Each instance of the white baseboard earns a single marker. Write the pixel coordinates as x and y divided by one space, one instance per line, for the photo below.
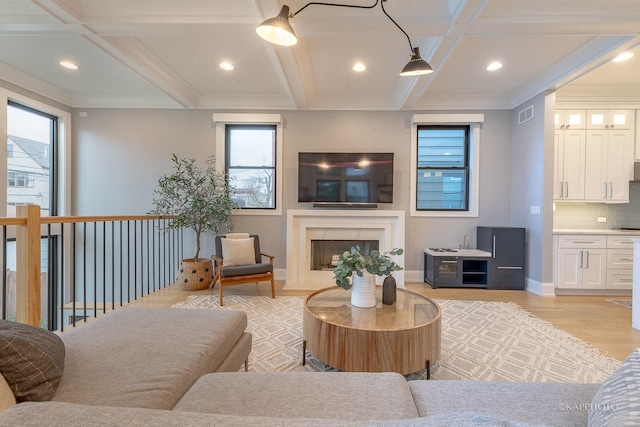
413 276
541 289
417 276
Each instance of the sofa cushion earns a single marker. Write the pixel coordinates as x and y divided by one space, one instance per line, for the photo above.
59 414
339 395
146 357
238 251
556 404
7 399
617 402
31 360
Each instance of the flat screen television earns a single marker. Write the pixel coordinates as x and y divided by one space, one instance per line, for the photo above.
345 178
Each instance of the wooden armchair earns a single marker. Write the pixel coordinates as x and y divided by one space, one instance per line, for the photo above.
237 272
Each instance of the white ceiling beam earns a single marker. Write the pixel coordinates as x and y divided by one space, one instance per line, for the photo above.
583 60
467 12
291 65
130 53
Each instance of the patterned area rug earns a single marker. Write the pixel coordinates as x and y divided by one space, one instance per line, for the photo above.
481 340
622 302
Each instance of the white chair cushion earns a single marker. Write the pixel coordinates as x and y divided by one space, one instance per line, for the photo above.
238 251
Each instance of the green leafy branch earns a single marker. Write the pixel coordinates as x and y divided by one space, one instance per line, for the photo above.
353 261
200 199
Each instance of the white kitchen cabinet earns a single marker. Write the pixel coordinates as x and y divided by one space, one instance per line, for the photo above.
619 262
594 155
608 163
582 262
610 119
570 149
570 119
582 269
594 261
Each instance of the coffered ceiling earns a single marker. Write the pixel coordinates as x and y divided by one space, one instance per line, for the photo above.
166 53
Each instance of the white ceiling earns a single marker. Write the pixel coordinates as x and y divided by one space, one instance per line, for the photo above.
165 53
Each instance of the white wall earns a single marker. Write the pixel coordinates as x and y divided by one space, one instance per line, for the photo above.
119 155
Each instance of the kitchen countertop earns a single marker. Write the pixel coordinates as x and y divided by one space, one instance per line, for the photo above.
597 231
467 253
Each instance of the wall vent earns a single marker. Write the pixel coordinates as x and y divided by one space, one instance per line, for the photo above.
525 115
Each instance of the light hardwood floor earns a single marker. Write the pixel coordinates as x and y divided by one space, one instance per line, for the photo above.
605 325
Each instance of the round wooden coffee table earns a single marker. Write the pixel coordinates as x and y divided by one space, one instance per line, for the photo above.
403 337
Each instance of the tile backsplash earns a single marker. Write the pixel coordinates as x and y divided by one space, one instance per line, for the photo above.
586 215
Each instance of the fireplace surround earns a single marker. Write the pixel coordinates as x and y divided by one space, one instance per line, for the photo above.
303 226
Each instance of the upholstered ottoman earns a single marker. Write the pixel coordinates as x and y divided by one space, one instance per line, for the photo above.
325 395
149 357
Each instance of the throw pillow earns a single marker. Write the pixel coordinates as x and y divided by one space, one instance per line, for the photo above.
238 251
7 399
31 360
617 402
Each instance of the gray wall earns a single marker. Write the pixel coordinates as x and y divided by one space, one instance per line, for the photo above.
531 185
120 153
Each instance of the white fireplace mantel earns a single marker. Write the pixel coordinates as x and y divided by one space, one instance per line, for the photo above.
304 225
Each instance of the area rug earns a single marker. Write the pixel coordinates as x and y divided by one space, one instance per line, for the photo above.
622 302
481 340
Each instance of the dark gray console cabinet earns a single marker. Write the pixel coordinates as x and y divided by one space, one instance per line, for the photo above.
507 246
456 271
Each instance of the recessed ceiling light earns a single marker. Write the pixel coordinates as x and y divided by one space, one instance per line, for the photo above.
226 66
494 66
359 67
68 64
623 57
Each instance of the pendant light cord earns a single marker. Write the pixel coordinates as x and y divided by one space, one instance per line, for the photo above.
399 27
339 5
358 7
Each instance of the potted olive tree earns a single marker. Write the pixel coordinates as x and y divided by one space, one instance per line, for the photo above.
195 198
354 269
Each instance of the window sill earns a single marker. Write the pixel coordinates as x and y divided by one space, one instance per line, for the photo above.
258 212
444 214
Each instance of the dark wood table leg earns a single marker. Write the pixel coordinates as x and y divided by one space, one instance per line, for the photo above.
304 352
428 369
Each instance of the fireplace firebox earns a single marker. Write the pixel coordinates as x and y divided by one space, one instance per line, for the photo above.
324 253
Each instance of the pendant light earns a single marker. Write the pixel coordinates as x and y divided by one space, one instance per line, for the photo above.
278 30
416 65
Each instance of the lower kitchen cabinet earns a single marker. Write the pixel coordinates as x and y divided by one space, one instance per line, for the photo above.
581 268
597 262
619 262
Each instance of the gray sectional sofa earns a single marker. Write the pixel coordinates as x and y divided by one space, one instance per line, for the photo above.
142 366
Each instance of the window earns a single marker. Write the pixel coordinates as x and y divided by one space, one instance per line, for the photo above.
249 150
31 169
443 168
251 164
20 179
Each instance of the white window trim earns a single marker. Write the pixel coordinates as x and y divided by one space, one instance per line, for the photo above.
474 121
221 120
64 148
